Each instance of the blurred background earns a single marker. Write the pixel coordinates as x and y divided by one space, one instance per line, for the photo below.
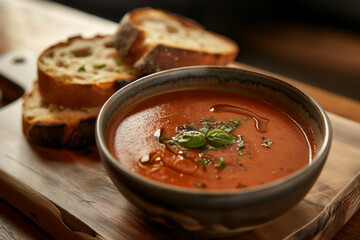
313 41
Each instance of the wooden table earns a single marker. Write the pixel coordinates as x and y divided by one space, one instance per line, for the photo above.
27 28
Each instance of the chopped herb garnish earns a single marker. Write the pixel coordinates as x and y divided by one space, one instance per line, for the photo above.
82 69
221 164
240 142
170 115
192 139
118 71
204 162
210 122
171 142
99 66
205 128
132 71
209 147
186 127
225 126
165 139
119 62
178 146
219 137
266 142
237 122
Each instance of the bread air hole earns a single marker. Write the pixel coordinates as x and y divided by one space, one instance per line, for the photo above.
50 54
82 52
172 29
60 63
108 44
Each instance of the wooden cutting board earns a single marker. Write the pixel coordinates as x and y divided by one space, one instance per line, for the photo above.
69 194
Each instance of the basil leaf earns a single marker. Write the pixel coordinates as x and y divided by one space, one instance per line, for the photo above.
219 138
192 139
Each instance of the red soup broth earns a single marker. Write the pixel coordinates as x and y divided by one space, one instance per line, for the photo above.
188 138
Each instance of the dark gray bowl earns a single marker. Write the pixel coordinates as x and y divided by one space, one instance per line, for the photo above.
215 213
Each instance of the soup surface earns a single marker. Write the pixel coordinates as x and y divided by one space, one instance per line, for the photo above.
209 140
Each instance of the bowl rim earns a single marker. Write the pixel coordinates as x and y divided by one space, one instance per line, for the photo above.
259 189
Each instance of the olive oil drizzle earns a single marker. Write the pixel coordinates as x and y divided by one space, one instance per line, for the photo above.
260 122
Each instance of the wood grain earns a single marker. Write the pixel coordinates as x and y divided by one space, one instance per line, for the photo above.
14 225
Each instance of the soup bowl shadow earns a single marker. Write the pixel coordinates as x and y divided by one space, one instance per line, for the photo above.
215 213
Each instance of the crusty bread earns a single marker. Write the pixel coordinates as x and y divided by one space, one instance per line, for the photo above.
82 72
159 40
55 126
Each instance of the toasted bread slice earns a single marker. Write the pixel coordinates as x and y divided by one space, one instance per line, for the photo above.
82 72
160 40
55 126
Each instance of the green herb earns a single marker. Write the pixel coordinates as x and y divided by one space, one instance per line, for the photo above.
240 142
119 62
266 142
221 164
219 137
225 126
207 147
210 122
192 139
229 127
186 127
99 66
237 122
165 138
178 146
132 71
82 69
170 115
204 162
118 71
206 128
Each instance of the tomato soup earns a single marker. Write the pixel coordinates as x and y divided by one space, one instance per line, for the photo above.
208 139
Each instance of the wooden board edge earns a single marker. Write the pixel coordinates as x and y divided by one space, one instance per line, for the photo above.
334 216
53 219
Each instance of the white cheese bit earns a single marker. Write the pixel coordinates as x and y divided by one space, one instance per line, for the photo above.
145 158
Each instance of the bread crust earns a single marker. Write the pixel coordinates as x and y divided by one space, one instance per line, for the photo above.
125 36
54 126
164 57
62 89
132 39
71 94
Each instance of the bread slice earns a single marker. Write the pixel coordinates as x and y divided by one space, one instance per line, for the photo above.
82 72
55 126
160 40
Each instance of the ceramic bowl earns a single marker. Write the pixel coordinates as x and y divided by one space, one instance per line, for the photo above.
215 213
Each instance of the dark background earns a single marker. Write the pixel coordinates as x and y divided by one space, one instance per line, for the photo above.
262 29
